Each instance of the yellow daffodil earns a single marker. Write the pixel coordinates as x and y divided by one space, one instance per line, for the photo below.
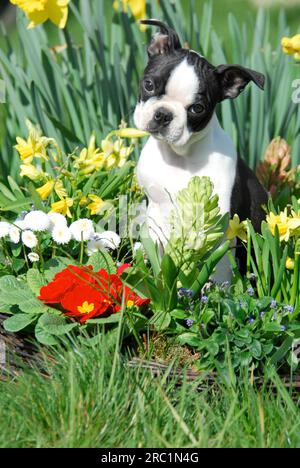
287 225
237 229
39 11
130 133
291 46
294 222
290 264
34 146
63 206
90 159
282 222
138 8
115 154
97 204
56 185
83 201
32 172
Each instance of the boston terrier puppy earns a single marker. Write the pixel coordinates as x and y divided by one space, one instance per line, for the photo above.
178 97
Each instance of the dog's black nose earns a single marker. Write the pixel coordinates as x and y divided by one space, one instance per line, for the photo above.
163 117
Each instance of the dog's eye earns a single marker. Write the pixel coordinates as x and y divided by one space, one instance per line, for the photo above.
196 109
149 86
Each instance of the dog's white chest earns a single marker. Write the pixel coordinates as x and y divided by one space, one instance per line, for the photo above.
163 173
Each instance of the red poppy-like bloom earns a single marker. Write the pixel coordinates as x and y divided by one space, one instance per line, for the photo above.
83 294
85 302
62 282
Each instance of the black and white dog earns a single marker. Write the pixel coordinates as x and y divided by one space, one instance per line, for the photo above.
178 96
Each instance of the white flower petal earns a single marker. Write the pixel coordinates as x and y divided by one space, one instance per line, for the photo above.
37 221
61 235
57 219
29 239
4 229
82 230
33 257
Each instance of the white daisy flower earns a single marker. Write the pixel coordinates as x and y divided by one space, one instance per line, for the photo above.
82 229
61 234
37 221
4 229
57 219
15 231
108 239
33 257
29 239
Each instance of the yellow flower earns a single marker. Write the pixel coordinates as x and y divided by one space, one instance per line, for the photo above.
97 204
115 154
294 222
39 11
35 146
237 229
291 46
83 201
138 8
56 185
282 221
90 159
130 133
63 206
290 264
32 172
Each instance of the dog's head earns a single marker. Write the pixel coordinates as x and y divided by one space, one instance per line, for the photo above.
180 89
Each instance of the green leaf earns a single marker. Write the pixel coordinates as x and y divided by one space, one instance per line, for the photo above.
161 320
190 339
35 280
115 318
33 306
151 249
256 349
179 314
209 267
102 260
281 352
18 322
9 284
43 337
19 296
169 271
57 325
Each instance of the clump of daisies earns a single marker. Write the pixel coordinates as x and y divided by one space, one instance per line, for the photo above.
34 228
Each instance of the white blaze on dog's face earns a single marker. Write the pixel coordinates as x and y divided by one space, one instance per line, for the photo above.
180 89
166 115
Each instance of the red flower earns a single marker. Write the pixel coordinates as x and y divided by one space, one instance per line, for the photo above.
131 299
77 275
62 282
123 268
85 295
85 302
55 291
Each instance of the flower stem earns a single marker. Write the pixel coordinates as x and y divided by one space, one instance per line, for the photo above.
295 289
81 250
40 253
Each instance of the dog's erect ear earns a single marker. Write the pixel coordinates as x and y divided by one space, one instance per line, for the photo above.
163 43
233 79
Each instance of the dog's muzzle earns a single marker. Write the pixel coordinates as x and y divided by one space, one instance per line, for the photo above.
161 119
